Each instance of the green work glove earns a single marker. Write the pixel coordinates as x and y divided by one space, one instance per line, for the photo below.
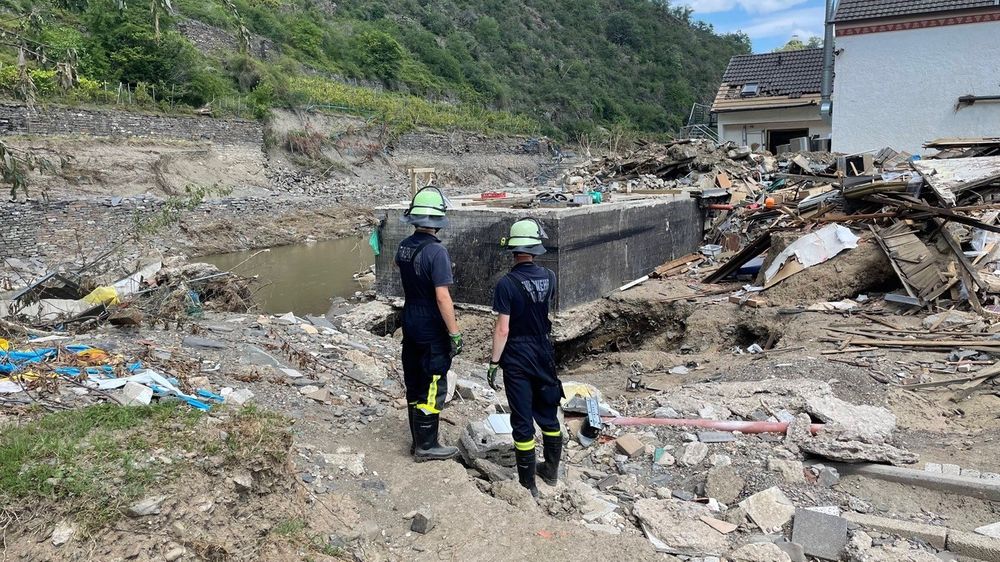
491 375
457 343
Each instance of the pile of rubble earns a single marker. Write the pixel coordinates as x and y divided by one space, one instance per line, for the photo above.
736 470
680 165
931 226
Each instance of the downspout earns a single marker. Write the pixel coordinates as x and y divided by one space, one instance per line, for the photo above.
826 91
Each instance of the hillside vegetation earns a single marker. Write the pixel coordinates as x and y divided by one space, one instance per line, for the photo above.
561 67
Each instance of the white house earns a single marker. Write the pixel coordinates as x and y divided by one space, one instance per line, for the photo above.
771 98
910 71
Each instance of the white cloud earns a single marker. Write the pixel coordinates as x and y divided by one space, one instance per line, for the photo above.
768 6
709 6
804 22
750 6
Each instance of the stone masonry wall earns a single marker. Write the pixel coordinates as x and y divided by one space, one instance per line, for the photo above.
16 119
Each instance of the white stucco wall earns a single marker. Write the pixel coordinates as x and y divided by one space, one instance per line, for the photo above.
748 127
900 88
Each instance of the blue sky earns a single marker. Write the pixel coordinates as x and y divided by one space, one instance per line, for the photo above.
769 23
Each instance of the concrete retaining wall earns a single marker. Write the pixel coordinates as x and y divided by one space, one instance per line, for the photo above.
593 250
17 119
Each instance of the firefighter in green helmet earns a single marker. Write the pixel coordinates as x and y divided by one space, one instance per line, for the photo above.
522 348
430 332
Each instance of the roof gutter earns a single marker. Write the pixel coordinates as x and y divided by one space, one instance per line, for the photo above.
763 107
826 90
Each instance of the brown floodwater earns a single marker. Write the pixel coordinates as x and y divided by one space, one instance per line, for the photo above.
301 278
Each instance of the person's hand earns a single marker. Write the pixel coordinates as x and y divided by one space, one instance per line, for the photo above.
457 343
491 375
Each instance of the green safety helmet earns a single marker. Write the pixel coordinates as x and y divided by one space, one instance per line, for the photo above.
427 209
526 237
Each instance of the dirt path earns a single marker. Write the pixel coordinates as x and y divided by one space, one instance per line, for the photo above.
469 524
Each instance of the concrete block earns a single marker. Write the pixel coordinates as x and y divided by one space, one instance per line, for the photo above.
931 534
422 522
769 509
135 394
821 535
478 441
974 546
951 469
992 530
724 484
630 445
694 453
971 473
790 471
593 249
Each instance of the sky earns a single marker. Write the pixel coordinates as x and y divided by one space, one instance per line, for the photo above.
769 23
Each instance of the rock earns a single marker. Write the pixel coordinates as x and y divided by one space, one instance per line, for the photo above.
422 522
694 453
716 436
257 356
630 445
666 412
146 507
828 477
353 463
63 533
206 343
135 394
844 446
866 421
720 460
724 484
677 526
174 554
240 397
308 389
471 390
759 552
792 549
821 535
290 373
513 493
243 480
790 471
679 370
320 395
769 509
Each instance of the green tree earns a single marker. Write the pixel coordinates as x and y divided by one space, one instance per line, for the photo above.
796 44
381 54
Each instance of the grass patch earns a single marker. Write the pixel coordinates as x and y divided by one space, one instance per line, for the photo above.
257 437
290 527
404 112
92 461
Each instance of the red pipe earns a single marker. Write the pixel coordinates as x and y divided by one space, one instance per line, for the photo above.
721 425
719 207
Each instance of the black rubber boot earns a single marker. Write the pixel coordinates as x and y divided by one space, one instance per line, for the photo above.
526 470
425 429
548 470
413 434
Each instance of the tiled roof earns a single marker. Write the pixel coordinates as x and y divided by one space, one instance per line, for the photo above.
852 10
789 73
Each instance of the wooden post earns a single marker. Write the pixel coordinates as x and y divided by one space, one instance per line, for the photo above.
425 174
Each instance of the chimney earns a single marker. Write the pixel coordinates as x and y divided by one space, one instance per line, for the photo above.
826 91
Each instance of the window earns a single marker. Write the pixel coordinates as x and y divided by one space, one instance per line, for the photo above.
750 89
